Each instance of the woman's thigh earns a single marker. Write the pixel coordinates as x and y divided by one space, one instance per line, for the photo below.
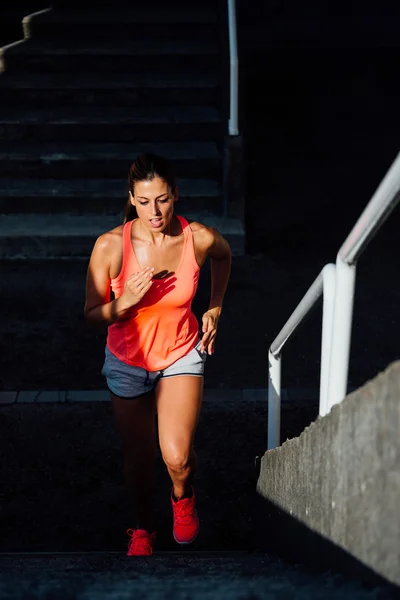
178 402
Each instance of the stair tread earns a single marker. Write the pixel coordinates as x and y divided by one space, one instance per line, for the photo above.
112 48
82 151
113 188
76 225
107 80
184 14
107 114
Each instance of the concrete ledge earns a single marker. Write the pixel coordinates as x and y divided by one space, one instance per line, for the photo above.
29 20
341 479
3 52
48 236
7 398
246 395
40 396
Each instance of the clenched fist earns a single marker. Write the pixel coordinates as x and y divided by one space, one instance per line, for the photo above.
137 285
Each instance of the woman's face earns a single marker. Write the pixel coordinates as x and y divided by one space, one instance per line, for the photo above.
154 203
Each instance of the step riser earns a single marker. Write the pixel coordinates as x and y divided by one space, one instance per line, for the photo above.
96 206
127 4
118 63
111 168
51 98
128 31
42 247
52 187
109 132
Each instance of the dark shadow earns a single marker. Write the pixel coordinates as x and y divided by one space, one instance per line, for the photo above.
285 536
163 286
163 274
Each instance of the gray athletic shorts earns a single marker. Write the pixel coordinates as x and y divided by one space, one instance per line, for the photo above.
129 382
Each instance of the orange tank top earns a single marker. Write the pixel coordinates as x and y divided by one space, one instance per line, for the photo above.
161 328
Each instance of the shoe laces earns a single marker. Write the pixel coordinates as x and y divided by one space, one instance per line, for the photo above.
140 545
184 510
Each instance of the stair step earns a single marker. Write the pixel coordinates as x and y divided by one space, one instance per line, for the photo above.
132 16
104 5
50 236
111 124
96 196
130 57
111 89
136 23
82 95
63 160
108 80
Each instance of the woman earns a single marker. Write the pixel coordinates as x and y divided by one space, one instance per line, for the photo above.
154 357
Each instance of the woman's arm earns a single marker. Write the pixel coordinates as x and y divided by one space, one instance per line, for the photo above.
214 245
99 311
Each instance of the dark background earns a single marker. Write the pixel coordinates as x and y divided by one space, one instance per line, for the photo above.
319 97
319 116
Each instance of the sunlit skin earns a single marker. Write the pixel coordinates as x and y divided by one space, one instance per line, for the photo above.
154 203
157 241
158 244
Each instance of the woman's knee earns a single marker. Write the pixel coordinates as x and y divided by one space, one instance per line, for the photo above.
180 461
177 462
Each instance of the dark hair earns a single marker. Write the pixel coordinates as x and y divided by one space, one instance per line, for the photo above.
145 168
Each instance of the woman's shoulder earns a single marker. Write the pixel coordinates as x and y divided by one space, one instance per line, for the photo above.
110 241
203 234
208 240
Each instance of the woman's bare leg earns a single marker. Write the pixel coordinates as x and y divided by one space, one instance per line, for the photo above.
135 419
179 401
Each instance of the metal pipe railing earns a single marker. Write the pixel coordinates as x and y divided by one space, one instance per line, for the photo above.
233 126
372 218
307 303
337 283
374 215
323 284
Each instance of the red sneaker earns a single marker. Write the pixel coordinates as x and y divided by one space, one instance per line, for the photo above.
186 522
141 543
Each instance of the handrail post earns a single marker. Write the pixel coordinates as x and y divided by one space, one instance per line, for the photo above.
328 287
234 70
274 401
341 331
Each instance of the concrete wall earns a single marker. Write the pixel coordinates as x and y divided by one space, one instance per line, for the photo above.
341 477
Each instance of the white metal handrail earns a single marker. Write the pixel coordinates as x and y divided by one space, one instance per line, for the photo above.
337 283
323 285
233 126
372 218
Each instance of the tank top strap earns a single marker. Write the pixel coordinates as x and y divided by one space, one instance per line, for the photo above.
126 238
189 253
129 256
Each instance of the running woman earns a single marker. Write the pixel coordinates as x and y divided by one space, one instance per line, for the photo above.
141 280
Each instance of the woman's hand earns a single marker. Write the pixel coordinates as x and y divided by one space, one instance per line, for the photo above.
209 329
136 286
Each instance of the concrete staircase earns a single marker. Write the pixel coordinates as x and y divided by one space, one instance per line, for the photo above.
82 95
180 575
